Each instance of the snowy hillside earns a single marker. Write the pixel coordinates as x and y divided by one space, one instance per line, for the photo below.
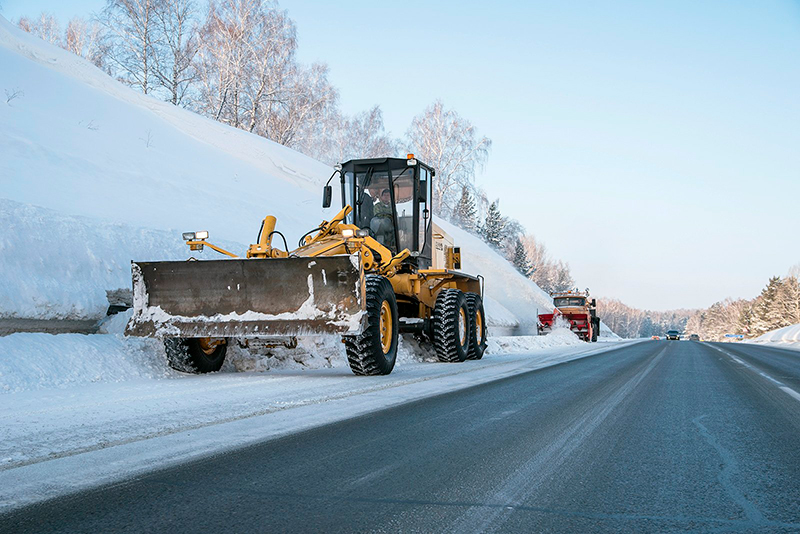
94 174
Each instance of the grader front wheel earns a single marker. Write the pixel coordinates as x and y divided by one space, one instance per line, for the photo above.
196 355
375 350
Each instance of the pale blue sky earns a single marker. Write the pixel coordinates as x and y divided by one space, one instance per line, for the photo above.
653 145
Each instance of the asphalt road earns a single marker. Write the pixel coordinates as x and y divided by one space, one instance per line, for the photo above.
661 436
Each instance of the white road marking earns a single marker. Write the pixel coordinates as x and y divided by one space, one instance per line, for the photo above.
780 384
791 392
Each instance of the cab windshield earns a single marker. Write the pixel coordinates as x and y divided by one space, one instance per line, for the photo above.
379 195
561 302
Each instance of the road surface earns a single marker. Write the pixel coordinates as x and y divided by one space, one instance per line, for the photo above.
660 436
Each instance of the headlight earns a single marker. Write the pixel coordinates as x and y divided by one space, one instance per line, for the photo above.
362 232
347 233
188 236
201 235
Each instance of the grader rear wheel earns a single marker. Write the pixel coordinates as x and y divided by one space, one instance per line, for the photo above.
374 351
451 326
477 337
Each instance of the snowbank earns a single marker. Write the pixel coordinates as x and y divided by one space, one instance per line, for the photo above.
58 266
788 335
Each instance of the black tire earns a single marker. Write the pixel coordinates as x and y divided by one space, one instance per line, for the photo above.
374 351
595 329
451 326
477 331
195 355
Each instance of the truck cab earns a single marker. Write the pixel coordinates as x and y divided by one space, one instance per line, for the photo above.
579 313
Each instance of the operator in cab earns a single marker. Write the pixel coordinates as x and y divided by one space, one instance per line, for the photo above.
382 223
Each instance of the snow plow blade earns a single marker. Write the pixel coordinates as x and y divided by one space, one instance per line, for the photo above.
247 297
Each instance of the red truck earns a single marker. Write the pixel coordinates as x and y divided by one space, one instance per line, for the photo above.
577 310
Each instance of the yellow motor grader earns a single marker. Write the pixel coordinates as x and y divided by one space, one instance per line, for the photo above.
378 268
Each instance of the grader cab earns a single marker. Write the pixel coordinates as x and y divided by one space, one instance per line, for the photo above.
378 268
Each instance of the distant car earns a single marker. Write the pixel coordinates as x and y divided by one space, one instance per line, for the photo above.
694 337
655 337
673 334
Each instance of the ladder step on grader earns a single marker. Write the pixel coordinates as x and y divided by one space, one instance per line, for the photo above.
378 268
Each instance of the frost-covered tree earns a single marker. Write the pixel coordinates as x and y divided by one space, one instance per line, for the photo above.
45 26
563 280
520 259
250 79
764 317
465 215
449 143
131 40
175 49
786 309
361 136
492 229
85 39
245 61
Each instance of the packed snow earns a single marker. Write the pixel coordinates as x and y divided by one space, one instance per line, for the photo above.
786 337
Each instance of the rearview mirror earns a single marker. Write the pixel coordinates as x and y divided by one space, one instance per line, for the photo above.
423 195
327 193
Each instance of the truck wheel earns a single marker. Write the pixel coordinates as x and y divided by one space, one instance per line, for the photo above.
477 332
595 330
451 326
375 350
196 355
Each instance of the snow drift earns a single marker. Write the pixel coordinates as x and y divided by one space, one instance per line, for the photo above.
787 335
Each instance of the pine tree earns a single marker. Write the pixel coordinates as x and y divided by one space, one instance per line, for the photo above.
521 261
744 325
465 214
786 310
764 318
493 227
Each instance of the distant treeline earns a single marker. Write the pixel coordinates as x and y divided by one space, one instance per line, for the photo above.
630 322
777 306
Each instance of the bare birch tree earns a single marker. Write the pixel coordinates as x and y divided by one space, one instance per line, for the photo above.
361 136
176 24
84 39
132 38
45 26
450 143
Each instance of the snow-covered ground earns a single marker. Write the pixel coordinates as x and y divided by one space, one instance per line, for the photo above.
82 410
786 337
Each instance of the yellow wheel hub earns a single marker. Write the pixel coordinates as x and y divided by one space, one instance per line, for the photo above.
386 327
462 327
209 344
479 326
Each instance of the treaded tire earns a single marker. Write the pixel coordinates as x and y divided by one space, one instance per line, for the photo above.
451 306
365 352
595 329
477 339
187 355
